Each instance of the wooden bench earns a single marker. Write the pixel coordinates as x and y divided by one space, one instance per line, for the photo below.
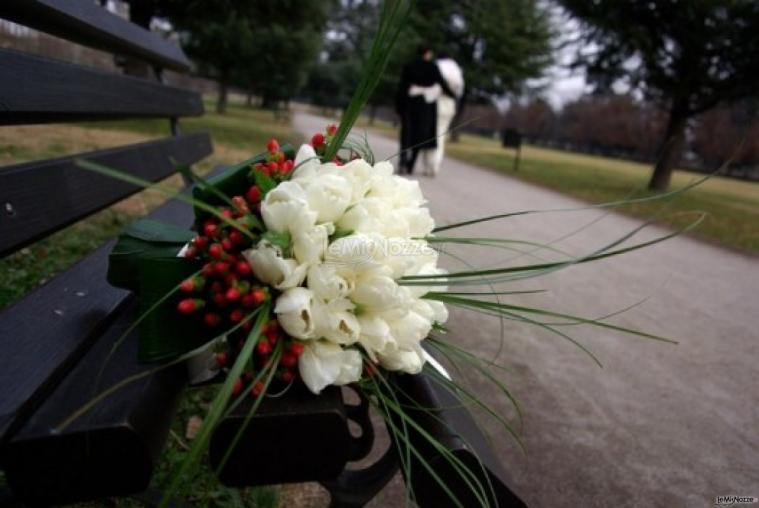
55 340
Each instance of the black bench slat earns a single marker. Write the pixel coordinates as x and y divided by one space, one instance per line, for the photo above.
45 333
40 90
110 451
49 330
91 25
55 367
39 198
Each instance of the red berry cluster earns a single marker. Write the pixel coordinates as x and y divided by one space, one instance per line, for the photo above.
277 164
226 290
320 142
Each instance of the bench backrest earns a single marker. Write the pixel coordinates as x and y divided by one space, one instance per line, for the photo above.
44 335
39 198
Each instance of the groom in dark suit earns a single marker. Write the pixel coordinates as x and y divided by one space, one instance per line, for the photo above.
418 117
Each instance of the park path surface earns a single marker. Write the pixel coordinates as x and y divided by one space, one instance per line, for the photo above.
659 425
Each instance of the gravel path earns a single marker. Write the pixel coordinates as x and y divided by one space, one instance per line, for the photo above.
659 425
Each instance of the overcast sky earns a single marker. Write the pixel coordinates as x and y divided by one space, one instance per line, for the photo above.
560 84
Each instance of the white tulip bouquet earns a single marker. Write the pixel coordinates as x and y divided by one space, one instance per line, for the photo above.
321 267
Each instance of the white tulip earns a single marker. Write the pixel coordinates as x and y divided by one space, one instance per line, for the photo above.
376 292
328 195
366 216
327 284
285 209
294 313
271 267
323 363
410 361
306 163
310 245
336 322
419 222
409 330
375 334
399 191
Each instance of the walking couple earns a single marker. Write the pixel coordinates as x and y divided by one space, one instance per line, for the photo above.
426 103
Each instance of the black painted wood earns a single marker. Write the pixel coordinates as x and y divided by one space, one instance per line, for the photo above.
112 449
39 198
442 415
296 438
39 90
89 24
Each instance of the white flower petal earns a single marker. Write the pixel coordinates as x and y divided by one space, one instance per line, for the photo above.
294 310
323 364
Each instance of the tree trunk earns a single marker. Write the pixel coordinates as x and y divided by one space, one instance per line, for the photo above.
372 113
670 150
221 103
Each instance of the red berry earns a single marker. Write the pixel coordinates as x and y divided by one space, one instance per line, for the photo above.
222 358
273 167
332 129
187 286
190 305
216 287
201 242
263 347
247 325
226 243
237 387
226 213
248 301
288 376
257 389
207 270
219 299
254 194
191 253
236 237
209 228
287 166
230 279
259 295
216 251
240 204
270 326
288 360
273 337
296 348
236 316
212 319
221 268
317 140
243 268
272 145
232 294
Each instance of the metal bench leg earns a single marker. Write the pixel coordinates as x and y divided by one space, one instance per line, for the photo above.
355 488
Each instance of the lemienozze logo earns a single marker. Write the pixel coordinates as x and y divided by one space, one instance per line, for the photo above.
733 500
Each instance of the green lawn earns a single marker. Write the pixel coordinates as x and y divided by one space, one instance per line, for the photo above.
732 205
237 135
